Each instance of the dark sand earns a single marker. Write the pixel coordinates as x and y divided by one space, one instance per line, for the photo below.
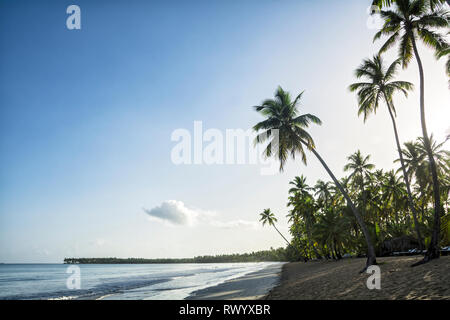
340 280
252 286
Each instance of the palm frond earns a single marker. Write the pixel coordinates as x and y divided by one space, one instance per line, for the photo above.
405 50
432 39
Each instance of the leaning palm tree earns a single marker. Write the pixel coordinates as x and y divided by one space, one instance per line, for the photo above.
285 128
381 87
408 21
268 217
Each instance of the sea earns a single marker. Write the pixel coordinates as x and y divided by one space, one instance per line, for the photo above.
116 281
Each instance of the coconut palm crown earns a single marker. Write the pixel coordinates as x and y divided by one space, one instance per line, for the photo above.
281 114
379 85
409 21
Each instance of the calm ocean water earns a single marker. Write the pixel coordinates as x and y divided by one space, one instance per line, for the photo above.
117 281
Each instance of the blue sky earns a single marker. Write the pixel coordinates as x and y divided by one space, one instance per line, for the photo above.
86 118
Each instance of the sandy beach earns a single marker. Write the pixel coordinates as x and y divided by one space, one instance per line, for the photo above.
337 280
255 285
341 280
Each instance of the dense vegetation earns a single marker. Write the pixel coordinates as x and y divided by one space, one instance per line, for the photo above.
279 254
370 211
322 224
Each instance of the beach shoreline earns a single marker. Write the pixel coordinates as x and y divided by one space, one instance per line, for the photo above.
252 286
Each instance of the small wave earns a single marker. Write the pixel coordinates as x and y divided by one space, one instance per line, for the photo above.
96 292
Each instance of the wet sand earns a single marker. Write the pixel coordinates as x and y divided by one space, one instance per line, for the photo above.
252 286
341 280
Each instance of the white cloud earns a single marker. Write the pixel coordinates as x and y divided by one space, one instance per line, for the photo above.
177 213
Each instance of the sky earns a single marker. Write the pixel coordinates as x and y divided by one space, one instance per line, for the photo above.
87 116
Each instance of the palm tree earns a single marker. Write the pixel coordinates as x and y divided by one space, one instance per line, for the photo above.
442 159
323 191
386 3
381 87
268 217
440 155
331 230
300 186
412 19
358 165
393 193
303 205
297 231
360 169
417 168
433 4
284 121
374 189
417 165
413 158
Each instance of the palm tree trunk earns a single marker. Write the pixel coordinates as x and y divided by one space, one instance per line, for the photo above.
336 250
364 196
422 205
433 249
333 255
371 258
405 176
281 235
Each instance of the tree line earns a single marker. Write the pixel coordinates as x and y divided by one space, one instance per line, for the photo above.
280 254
